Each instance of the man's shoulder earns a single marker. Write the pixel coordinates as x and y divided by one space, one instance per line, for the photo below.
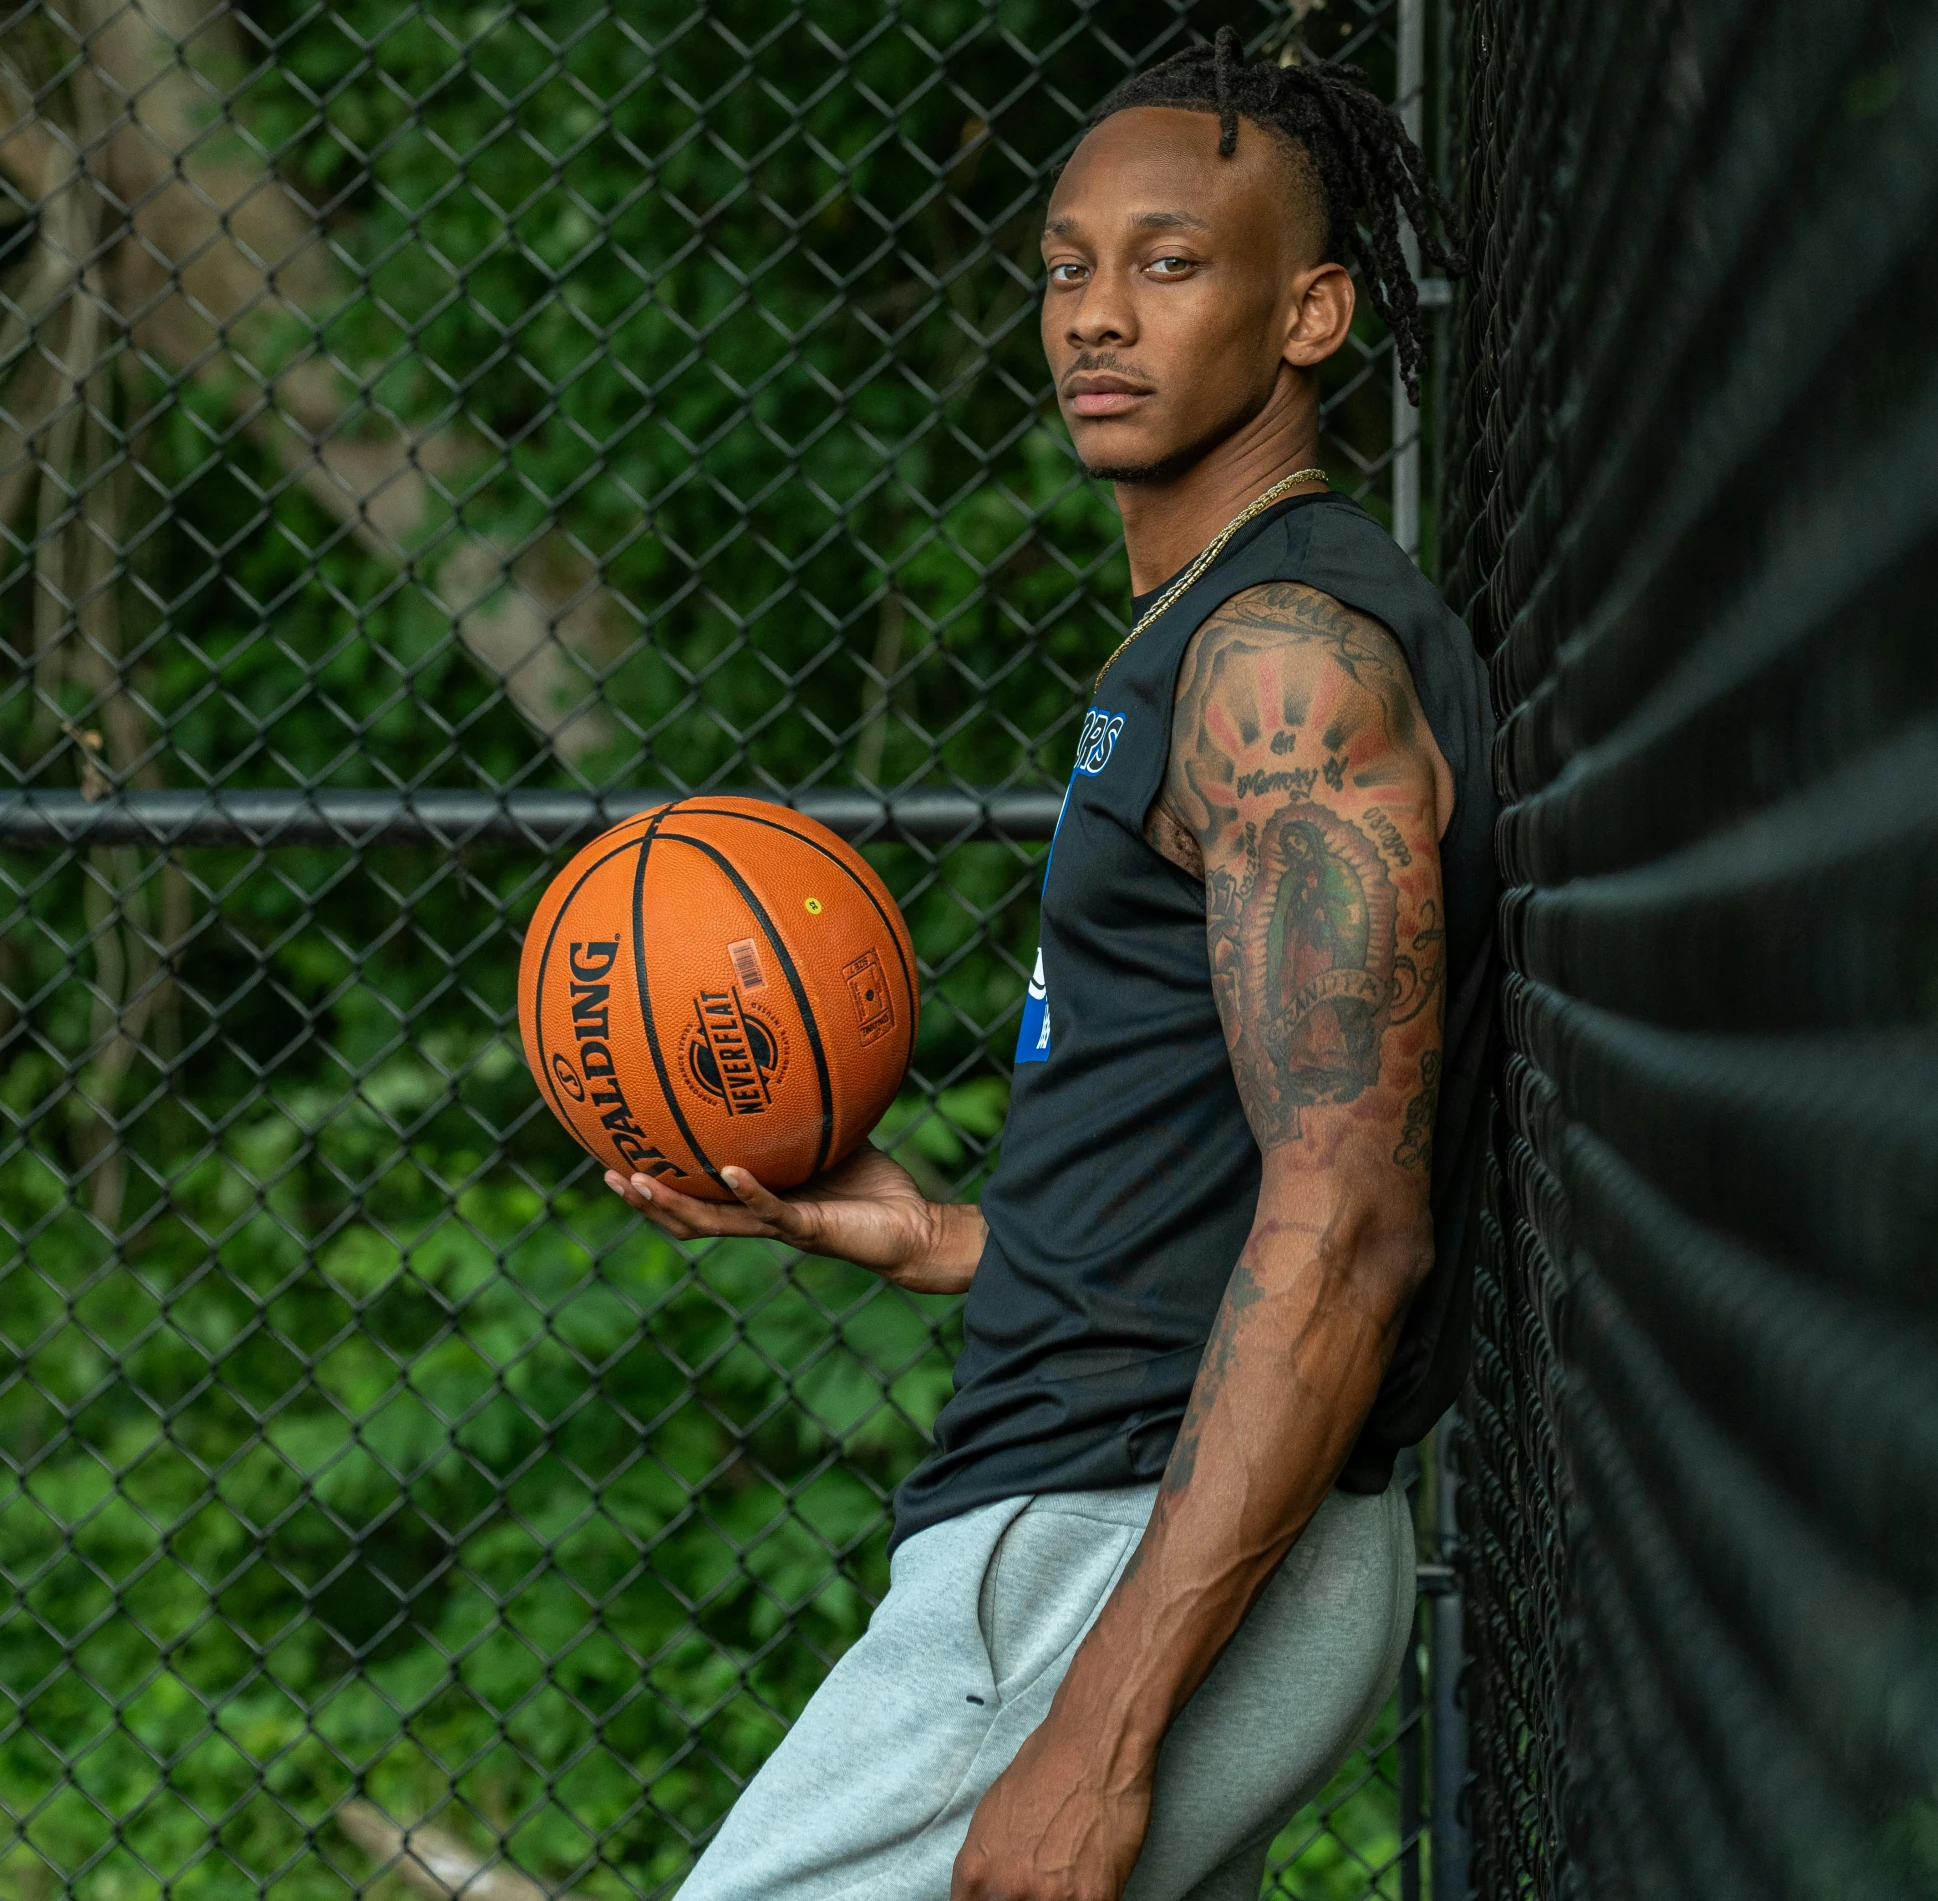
1265 647
1300 615
1345 552
1328 567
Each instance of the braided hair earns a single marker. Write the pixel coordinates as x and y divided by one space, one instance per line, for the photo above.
1366 166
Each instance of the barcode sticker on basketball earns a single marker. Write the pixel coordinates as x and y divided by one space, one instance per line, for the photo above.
746 964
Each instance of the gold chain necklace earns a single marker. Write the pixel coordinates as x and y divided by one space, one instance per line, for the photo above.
1213 550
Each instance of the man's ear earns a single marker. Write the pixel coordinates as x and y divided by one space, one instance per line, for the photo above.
1323 316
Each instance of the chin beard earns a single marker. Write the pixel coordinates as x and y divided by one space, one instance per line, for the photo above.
1167 468
1131 474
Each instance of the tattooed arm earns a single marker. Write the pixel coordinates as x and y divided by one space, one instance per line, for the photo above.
1306 791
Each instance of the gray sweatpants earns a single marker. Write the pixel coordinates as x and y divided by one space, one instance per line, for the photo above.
870 1794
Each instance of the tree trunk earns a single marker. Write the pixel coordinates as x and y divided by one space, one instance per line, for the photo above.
163 232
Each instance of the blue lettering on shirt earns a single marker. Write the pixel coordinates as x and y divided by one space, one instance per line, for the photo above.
1099 740
1094 747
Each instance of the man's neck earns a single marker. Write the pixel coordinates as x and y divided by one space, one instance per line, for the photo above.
1167 525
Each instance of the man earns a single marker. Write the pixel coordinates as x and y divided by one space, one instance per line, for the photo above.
1214 1284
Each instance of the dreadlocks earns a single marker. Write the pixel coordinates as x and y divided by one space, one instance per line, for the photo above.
1367 167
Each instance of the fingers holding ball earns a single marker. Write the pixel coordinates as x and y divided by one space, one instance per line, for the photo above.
687 1218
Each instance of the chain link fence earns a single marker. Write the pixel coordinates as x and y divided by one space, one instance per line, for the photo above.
425 432
1693 511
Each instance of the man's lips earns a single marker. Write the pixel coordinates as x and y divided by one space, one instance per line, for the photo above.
1093 395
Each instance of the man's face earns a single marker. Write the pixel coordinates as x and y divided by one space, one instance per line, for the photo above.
1175 280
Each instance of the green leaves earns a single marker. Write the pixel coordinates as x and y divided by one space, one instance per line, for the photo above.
353 1441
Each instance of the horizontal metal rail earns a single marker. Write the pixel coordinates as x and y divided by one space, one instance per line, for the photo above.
44 821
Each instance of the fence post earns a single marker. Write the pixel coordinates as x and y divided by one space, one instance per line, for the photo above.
1409 98
1445 1658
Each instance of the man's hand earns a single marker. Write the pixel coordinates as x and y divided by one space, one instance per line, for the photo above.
1061 1823
868 1210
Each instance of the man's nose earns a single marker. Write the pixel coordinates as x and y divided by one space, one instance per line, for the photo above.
1104 314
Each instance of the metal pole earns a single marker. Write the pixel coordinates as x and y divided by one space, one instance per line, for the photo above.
1412 1767
1446 1836
1409 1738
1410 100
361 819
1448 1839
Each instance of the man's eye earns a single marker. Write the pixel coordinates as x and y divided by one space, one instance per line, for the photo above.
1171 266
1066 273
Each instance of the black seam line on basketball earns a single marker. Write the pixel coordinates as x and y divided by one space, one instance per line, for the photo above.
646 842
894 936
545 960
794 983
545 963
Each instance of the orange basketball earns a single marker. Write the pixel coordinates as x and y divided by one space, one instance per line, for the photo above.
716 982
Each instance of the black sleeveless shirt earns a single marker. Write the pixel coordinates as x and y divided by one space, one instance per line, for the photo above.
1129 1174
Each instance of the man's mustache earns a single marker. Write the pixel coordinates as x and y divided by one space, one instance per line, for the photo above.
1104 360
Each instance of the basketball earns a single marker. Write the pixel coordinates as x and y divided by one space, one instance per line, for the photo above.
718 982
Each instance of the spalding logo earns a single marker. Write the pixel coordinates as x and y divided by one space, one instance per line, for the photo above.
733 1054
590 966
1099 741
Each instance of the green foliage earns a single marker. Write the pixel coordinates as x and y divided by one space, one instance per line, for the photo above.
492 1496
352 1441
